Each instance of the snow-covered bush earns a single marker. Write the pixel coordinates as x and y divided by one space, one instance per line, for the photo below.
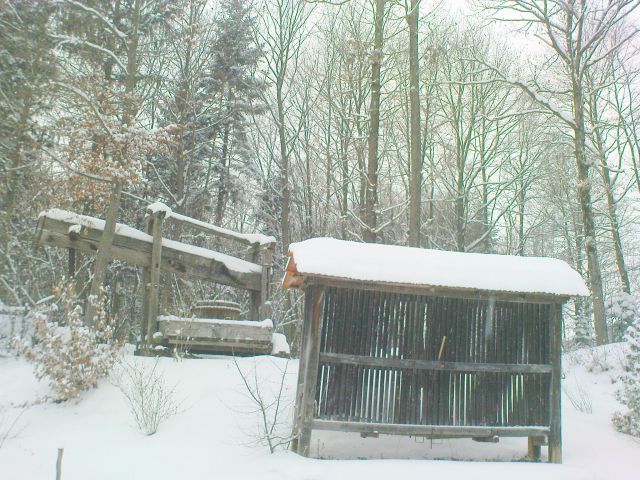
151 400
622 310
71 355
629 393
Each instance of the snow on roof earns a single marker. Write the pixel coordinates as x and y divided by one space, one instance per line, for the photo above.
232 263
249 237
390 264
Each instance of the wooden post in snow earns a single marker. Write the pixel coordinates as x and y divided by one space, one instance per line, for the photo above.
555 434
151 276
59 464
263 256
311 354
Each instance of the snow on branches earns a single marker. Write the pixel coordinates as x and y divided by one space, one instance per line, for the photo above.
71 355
100 148
629 393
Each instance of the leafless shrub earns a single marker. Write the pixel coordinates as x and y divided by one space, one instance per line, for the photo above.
151 400
269 405
8 425
182 346
579 398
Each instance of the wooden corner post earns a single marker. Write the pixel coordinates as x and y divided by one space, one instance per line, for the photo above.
309 363
555 433
151 278
259 309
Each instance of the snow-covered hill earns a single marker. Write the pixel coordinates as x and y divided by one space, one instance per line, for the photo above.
215 435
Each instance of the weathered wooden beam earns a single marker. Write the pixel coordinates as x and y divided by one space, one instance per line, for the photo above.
136 248
154 228
246 347
346 359
435 291
534 449
216 231
262 256
311 353
146 280
428 430
555 394
72 263
229 330
83 244
302 366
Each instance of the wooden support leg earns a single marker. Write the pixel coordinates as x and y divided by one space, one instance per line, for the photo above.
72 264
254 308
154 277
311 351
534 451
555 434
301 375
146 279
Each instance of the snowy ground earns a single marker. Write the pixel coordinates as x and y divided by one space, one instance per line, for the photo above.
214 434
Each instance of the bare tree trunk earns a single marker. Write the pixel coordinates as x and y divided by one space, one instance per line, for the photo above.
586 206
415 181
224 175
370 233
129 111
284 171
104 252
521 214
460 210
615 228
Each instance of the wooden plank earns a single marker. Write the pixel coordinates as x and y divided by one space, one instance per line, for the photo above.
61 240
346 359
312 351
137 251
214 230
555 394
430 430
302 368
188 328
433 291
155 230
209 346
534 450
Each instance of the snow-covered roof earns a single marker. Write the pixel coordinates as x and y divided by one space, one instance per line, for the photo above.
232 263
256 238
396 265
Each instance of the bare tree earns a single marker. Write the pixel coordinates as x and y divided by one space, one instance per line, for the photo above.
283 33
576 31
415 182
370 232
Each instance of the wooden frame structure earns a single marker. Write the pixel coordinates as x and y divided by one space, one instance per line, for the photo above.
154 253
429 361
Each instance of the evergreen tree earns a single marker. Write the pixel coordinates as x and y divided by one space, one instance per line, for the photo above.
27 67
622 310
232 80
629 393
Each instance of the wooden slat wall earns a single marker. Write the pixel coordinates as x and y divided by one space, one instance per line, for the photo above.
412 327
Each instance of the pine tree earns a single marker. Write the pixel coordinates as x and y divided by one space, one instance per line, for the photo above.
232 78
622 309
629 393
27 67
